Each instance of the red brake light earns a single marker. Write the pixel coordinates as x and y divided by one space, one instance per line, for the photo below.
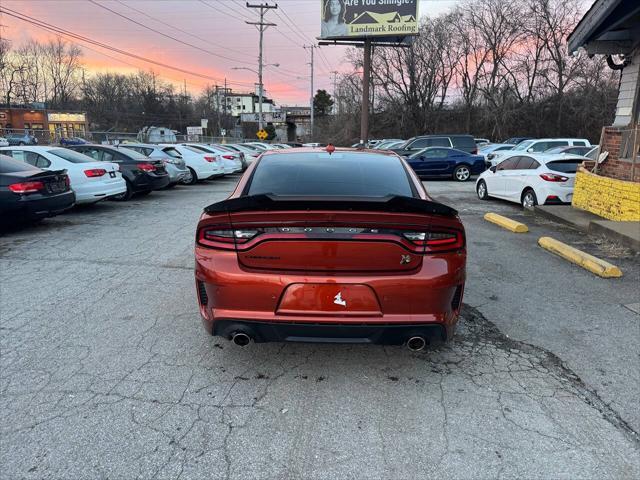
225 238
552 177
26 187
229 157
95 172
436 241
210 159
147 167
67 182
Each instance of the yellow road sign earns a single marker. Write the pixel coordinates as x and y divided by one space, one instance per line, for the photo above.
262 134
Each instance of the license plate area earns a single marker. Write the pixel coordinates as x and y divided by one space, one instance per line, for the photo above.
57 187
329 299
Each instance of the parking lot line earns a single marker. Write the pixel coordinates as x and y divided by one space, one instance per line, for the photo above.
589 262
507 223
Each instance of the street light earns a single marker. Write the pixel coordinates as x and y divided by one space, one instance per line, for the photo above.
260 87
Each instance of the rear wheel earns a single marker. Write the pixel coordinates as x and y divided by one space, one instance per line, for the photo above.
481 190
192 179
461 173
123 197
529 199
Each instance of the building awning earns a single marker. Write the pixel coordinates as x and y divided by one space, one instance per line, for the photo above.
610 27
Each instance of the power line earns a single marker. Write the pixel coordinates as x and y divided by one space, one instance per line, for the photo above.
61 31
209 52
173 27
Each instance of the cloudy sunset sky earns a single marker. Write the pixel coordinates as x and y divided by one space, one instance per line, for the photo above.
216 29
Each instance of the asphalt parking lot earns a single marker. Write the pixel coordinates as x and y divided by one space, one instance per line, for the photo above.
106 371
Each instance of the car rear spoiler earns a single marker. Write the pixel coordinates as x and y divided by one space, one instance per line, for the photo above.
390 203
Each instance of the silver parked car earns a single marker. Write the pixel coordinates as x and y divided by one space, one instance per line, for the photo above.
174 164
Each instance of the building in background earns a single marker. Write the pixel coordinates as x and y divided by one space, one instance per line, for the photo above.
236 103
46 125
610 187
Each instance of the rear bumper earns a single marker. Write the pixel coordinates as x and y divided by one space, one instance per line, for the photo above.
32 207
389 334
145 182
428 298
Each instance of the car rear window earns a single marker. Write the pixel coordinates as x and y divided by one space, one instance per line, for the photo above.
172 152
70 155
565 166
9 165
463 142
339 174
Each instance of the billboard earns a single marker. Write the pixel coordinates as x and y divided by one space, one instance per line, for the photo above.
354 19
267 117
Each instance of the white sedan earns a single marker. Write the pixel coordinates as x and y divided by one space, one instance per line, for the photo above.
202 165
91 181
230 159
531 179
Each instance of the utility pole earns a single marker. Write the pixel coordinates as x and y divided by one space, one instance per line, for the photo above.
366 79
262 26
335 98
312 48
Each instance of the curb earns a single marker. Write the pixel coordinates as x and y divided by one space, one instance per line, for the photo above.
589 262
507 223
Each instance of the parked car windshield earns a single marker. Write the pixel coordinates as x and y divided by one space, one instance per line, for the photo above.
523 145
565 166
70 155
339 174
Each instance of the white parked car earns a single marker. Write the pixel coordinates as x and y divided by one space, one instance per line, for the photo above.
230 160
91 181
250 155
202 165
531 179
4 142
539 145
261 145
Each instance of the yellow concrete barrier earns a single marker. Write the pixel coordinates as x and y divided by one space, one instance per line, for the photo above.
593 264
504 222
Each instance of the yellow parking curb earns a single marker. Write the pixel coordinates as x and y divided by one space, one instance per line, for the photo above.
504 222
589 262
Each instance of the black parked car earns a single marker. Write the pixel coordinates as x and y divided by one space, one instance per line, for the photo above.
29 193
142 174
466 143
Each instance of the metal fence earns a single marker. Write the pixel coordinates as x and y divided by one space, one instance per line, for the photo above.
45 137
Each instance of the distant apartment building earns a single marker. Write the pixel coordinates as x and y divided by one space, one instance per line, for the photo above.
236 103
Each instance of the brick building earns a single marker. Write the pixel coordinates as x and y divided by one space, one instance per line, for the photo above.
47 125
611 187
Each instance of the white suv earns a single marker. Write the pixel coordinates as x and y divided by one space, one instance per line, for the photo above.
537 145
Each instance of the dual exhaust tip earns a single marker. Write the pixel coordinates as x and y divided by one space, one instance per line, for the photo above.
415 344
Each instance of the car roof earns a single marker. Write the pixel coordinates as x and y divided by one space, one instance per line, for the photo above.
32 148
317 150
543 157
146 145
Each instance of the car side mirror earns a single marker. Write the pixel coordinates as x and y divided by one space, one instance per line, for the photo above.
493 169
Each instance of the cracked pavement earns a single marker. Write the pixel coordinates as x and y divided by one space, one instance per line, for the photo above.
106 372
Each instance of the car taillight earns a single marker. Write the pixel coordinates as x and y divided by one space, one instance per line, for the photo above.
229 157
95 172
225 238
474 151
435 241
552 177
210 159
67 182
147 167
26 187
